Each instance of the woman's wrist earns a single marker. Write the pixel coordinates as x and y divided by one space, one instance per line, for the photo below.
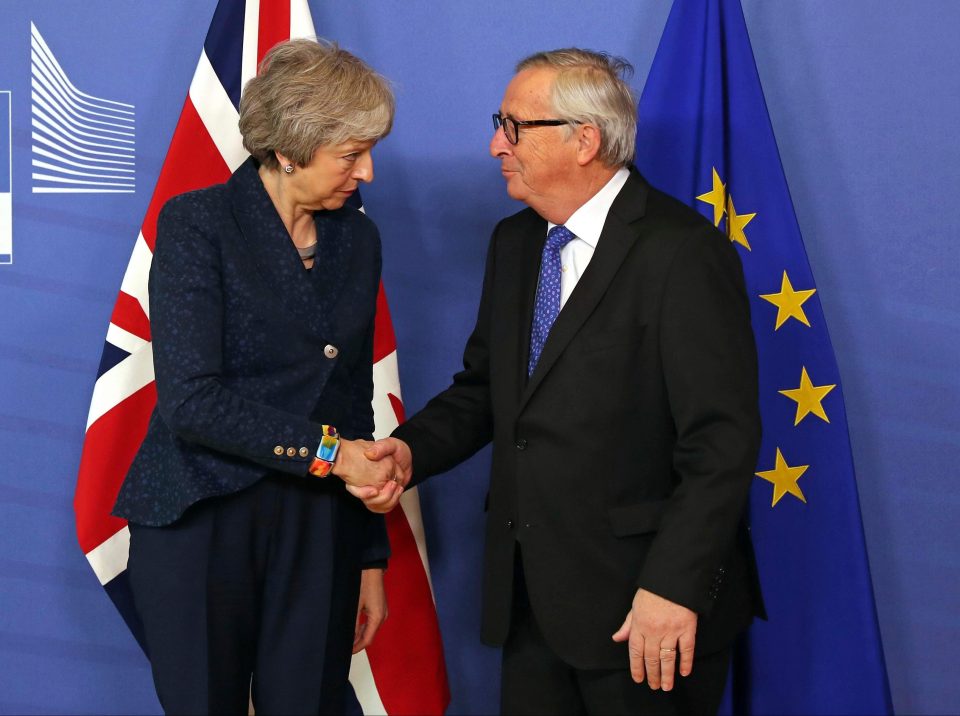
327 454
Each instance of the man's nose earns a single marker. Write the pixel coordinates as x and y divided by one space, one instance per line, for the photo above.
499 144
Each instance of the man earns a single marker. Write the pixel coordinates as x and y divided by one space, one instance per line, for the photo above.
614 369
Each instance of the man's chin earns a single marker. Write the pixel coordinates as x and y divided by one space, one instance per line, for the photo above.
515 188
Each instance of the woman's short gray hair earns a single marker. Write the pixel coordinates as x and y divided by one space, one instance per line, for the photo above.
591 88
309 94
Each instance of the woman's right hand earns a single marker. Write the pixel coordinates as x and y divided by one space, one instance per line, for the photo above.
353 467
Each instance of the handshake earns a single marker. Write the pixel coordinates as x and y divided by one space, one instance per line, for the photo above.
375 472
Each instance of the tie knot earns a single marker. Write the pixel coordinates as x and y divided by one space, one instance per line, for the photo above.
559 236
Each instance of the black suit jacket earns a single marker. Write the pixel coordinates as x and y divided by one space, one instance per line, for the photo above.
626 458
242 340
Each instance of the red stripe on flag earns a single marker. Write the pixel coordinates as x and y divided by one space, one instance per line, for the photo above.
274 25
128 314
193 162
108 450
384 339
397 407
416 636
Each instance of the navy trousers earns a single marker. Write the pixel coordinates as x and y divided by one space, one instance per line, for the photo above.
257 589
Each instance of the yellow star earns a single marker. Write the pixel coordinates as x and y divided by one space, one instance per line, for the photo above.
715 198
736 223
789 303
808 397
784 479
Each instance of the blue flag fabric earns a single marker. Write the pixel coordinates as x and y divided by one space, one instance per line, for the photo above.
705 137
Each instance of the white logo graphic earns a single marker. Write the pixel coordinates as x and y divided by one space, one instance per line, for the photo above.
81 143
6 179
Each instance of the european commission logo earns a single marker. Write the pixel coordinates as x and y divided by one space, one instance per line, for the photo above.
6 179
81 143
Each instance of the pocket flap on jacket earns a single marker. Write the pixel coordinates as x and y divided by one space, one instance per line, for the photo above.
637 518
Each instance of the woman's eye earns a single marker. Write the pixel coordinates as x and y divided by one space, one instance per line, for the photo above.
352 157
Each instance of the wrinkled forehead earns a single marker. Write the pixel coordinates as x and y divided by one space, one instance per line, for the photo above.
528 94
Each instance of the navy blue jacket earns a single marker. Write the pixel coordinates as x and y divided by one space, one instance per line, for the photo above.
252 353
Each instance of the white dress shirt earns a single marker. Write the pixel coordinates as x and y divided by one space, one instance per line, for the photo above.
586 223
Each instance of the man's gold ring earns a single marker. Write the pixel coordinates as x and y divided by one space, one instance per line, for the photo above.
666 648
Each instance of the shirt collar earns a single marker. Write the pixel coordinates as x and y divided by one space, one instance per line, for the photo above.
586 223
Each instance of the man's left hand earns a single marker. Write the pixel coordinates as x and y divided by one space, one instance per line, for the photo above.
656 629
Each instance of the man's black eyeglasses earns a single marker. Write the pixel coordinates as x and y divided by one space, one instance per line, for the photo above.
511 126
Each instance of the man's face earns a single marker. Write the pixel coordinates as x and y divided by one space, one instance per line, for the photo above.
537 167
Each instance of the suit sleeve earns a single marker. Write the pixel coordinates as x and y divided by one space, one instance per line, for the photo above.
459 421
186 305
710 371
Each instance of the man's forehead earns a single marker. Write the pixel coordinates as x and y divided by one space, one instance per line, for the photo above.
529 90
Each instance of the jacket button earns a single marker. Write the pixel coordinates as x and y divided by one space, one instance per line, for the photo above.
278 450
304 452
509 524
521 444
291 451
331 351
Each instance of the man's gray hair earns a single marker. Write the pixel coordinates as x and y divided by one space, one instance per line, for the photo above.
591 88
309 94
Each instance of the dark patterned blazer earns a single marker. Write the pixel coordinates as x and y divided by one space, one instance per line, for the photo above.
252 353
625 460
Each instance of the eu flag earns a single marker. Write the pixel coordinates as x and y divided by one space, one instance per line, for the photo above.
705 137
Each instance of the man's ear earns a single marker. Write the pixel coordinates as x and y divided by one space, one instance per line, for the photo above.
588 143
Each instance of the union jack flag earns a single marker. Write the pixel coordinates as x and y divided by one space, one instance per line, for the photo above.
403 672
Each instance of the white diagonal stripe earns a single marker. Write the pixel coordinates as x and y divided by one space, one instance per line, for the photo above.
124 340
251 41
361 678
386 379
217 113
120 382
137 273
109 558
301 22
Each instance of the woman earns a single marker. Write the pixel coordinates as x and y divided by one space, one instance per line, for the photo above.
248 558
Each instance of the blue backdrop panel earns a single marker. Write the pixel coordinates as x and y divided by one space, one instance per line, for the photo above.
864 99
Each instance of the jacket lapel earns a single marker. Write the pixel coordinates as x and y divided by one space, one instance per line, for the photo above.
617 238
272 253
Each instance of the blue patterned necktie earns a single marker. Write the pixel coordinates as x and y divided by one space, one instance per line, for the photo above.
547 305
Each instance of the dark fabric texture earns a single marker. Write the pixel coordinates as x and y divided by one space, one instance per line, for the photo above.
239 332
241 562
241 586
625 459
537 681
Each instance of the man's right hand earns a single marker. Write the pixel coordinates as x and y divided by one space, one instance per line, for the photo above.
399 456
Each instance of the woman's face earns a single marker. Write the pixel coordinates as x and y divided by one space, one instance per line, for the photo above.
332 175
